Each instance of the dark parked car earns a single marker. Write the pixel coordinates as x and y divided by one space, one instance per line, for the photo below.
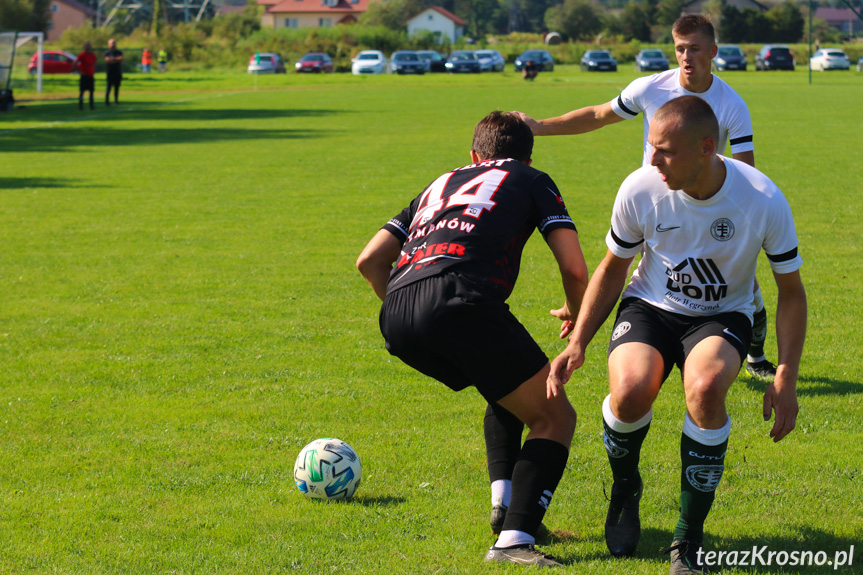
462 61
314 62
729 58
773 57
53 62
542 60
407 62
598 61
434 61
651 61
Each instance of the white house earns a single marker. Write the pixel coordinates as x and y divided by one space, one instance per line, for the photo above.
440 22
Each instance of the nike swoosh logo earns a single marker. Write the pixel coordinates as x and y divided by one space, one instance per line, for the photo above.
731 334
659 228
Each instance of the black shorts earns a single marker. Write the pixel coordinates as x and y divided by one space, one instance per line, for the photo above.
444 327
675 335
86 83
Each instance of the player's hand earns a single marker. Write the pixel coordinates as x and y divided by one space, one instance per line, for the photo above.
780 398
533 124
561 369
568 324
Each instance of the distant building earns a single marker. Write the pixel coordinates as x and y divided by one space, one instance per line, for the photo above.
67 14
843 19
311 13
440 22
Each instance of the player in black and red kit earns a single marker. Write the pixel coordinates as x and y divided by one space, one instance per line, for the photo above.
457 250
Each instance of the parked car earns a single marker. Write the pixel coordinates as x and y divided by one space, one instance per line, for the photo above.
598 61
541 59
462 61
829 59
369 62
651 60
729 58
407 62
314 62
434 61
490 60
266 63
860 64
53 62
774 57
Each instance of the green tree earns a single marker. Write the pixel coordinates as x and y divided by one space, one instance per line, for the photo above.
786 22
25 15
577 19
637 20
668 11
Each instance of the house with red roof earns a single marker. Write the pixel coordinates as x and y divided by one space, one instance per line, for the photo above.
440 22
311 13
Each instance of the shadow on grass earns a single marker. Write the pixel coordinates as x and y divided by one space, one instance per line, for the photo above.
804 546
808 386
22 183
386 501
60 139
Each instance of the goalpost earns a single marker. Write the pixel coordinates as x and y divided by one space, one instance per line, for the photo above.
9 43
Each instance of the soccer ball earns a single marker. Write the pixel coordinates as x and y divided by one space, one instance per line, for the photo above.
327 468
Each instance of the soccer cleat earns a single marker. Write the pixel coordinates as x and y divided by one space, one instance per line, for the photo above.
684 558
498 514
521 555
622 525
761 369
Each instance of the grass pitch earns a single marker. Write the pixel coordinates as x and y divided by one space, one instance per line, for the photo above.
181 315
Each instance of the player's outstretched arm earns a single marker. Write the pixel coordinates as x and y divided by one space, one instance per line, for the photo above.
601 295
781 395
376 261
566 248
578 121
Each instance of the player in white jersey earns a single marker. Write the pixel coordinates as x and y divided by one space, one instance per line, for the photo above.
694 48
701 220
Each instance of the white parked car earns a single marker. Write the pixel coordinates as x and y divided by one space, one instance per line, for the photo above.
266 63
369 62
860 64
829 59
490 60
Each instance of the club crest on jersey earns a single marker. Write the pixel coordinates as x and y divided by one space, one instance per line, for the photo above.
722 230
620 330
704 477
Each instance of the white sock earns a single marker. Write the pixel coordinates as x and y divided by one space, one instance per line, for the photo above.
513 538
501 491
751 359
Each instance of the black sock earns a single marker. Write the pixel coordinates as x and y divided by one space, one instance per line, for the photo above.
534 479
759 333
503 433
623 444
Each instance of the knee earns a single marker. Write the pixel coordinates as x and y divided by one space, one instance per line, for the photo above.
705 396
631 403
557 420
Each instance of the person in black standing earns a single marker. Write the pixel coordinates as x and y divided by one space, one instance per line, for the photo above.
114 65
457 250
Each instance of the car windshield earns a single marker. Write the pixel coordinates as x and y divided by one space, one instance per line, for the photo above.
779 51
532 56
729 51
653 54
599 55
369 57
406 57
312 58
459 57
836 54
484 55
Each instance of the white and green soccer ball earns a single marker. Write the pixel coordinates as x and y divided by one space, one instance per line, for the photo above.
327 468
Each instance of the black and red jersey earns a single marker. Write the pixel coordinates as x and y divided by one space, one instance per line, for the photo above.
475 221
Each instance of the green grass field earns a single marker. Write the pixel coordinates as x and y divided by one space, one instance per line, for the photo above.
181 314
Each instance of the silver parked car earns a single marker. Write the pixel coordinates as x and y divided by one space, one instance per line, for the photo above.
829 59
490 60
651 61
729 57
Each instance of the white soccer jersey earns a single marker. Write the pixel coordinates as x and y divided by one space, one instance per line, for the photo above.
700 256
649 93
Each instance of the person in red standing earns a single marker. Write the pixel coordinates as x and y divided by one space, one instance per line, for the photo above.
85 63
146 61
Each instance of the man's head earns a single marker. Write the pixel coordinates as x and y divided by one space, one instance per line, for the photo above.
694 48
88 46
112 43
503 135
683 133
